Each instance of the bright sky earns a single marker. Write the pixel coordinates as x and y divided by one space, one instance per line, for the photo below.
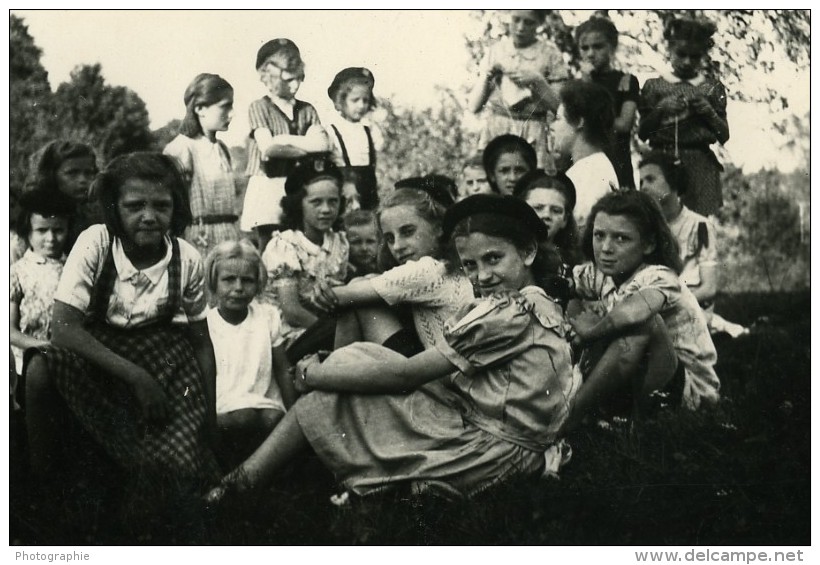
156 54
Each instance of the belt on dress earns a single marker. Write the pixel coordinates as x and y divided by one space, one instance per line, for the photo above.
216 219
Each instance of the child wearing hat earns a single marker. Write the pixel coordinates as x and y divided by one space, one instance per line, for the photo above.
283 130
354 140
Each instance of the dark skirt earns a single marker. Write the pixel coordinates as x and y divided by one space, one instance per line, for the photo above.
108 409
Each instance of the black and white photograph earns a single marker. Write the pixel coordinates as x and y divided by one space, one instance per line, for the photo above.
410 277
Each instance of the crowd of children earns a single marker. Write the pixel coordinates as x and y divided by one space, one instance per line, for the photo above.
452 331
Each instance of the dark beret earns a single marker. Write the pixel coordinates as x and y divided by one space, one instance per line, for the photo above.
507 143
272 47
440 188
540 179
515 209
309 170
348 74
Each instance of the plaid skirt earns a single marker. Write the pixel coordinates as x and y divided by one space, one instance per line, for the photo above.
108 409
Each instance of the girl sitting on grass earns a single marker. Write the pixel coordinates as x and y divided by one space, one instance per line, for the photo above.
641 329
504 360
130 353
252 384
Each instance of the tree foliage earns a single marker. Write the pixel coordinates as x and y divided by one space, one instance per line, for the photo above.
29 97
112 119
750 45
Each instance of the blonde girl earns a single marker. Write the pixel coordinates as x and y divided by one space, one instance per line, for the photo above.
283 130
252 385
355 140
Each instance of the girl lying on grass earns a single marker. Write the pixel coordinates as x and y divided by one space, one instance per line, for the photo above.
504 362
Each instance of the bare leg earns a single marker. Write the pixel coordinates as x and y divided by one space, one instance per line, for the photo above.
368 323
347 329
642 361
281 446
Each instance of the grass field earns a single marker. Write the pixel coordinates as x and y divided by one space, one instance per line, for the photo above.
737 474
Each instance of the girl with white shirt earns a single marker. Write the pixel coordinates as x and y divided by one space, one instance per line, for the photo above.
354 140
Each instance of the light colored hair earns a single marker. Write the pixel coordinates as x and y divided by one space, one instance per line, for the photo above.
241 250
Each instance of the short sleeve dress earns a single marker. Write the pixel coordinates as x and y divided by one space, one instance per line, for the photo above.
681 313
292 259
433 294
624 88
698 245
32 284
244 362
212 194
522 118
497 415
266 183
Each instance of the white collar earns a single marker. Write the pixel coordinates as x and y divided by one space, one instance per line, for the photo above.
31 255
126 269
287 107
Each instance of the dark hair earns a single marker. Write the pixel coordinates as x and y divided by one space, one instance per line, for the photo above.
598 24
502 145
566 240
593 104
206 89
359 218
547 265
698 31
675 174
292 211
645 213
146 166
425 206
47 203
43 164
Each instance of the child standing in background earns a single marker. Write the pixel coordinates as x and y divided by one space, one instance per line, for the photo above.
252 380
582 131
43 223
683 112
597 40
518 82
206 162
354 140
68 167
283 130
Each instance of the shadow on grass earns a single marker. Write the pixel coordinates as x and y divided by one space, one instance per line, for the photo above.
735 474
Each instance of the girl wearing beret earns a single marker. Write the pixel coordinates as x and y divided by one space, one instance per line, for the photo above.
354 140
503 363
283 130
